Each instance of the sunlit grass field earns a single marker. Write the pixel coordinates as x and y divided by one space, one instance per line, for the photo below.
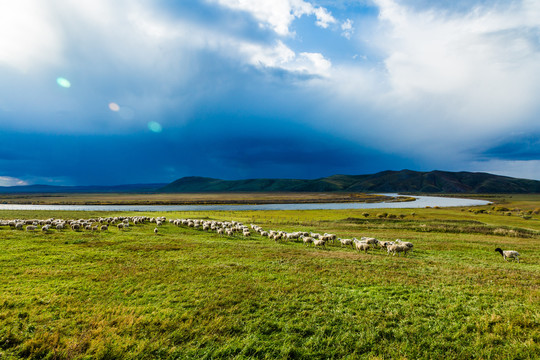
188 294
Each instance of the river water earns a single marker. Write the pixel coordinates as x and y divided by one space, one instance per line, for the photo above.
420 202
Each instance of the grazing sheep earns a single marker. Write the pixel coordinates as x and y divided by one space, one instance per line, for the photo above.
319 242
120 226
330 237
75 227
45 228
31 227
346 242
398 248
104 227
385 244
155 230
505 253
361 245
307 239
370 240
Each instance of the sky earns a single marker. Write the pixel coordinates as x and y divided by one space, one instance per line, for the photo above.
99 92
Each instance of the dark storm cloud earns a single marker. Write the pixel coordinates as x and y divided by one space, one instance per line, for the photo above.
220 88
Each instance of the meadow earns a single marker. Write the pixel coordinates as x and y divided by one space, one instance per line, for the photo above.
189 294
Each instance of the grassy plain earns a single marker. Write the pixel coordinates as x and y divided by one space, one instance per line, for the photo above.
189 294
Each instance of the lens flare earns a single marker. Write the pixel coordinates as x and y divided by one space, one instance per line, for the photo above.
63 82
114 106
155 127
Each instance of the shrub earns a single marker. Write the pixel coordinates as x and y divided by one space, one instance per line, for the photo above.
500 208
365 214
382 215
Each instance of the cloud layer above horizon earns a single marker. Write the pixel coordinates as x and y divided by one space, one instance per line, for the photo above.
100 92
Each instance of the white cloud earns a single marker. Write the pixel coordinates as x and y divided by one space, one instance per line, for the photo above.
347 27
282 57
11 181
446 83
28 36
279 14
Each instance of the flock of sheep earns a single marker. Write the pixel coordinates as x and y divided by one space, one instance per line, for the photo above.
99 224
228 228
308 238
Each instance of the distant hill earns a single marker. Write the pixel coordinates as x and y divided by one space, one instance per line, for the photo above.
51 189
386 181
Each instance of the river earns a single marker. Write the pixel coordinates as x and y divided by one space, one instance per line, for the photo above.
420 202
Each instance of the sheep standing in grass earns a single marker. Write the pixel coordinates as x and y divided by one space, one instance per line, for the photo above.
361 245
370 240
155 231
31 228
307 239
319 243
398 248
385 244
346 242
330 237
506 254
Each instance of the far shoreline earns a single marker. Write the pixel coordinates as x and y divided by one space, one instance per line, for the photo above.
228 198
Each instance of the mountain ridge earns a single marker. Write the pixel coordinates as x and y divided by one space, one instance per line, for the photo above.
436 181
404 181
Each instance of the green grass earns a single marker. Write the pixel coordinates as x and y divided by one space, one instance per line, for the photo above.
189 294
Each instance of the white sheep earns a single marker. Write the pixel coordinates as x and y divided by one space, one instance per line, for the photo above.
345 242
398 248
31 227
307 239
370 240
319 242
506 254
155 230
361 245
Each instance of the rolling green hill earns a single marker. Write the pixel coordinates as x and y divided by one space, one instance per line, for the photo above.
386 181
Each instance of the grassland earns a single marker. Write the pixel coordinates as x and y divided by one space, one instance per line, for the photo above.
189 294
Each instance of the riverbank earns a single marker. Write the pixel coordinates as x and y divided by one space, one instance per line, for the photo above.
196 198
419 202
